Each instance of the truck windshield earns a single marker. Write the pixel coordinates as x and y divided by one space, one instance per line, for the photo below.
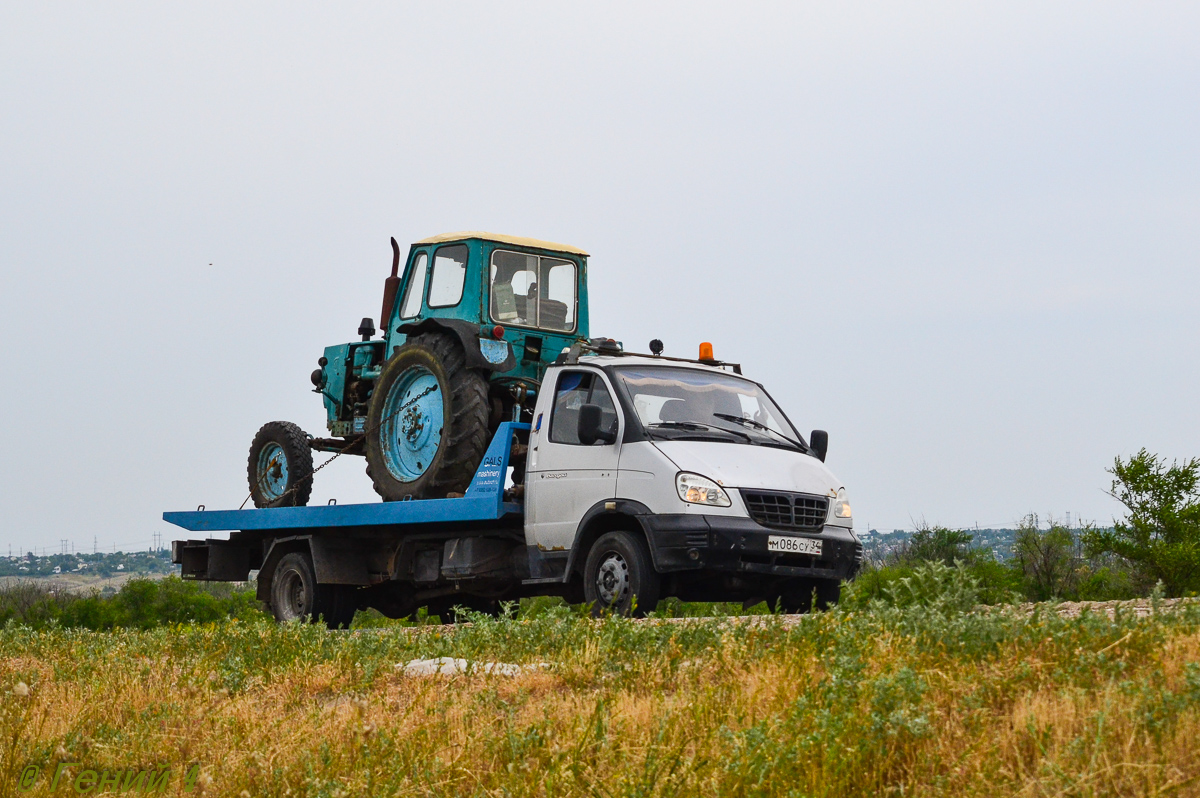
673 402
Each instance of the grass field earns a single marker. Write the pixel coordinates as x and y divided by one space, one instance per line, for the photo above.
925 700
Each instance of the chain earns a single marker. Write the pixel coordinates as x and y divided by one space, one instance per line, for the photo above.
350 446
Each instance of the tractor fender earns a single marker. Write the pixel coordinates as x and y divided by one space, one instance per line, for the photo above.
468 335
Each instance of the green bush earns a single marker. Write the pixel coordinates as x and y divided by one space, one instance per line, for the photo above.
1160 533
140 604
936 544
1047 560
999 582
872 584
1106 583
953 588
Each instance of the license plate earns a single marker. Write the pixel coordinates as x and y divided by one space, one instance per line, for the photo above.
791 545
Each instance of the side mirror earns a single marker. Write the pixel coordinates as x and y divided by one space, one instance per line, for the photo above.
819 441
589 427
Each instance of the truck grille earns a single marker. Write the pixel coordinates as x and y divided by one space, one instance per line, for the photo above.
779 510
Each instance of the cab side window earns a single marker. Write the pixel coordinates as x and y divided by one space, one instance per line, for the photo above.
576 389
449 274
533 291
416 289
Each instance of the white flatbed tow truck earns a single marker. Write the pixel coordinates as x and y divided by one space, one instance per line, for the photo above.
643 477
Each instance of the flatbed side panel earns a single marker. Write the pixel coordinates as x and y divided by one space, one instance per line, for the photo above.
484 500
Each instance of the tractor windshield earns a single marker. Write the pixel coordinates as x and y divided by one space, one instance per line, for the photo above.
533 291
674 403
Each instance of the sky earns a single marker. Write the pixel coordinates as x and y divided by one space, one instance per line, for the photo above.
962 238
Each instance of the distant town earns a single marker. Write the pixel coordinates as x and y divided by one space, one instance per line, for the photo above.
877 544
156 562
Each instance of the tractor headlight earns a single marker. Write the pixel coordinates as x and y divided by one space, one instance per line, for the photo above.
695 489
841 505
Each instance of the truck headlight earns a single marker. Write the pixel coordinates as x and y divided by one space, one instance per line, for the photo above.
695 489
841 506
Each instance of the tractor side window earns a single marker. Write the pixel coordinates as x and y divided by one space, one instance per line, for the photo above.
576 389
512 276
449 275
415 290
556 308
533 291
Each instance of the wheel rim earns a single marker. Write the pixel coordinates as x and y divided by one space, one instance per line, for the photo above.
293 602
272 471
412 428
612 579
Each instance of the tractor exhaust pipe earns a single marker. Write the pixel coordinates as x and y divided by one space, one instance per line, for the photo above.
390 286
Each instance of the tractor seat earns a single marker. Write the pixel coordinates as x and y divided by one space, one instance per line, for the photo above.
553 315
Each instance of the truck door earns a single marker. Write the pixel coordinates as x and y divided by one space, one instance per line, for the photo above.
565 478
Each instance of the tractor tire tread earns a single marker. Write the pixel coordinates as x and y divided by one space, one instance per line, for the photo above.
467 437
294 441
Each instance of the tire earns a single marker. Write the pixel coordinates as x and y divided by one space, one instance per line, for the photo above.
797 597
296 596
336 605
619 576
427 422
293 588
280 466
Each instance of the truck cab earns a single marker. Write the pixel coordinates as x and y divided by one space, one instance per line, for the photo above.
653 477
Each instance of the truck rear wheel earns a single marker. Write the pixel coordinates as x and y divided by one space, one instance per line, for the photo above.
280 466
619 576
296 596
427 422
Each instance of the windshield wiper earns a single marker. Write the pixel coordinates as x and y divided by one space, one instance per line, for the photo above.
698 425
749 422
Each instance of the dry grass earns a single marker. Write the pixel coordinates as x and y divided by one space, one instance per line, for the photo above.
913 702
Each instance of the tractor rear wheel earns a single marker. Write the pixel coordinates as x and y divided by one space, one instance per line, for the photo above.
280 466
427 422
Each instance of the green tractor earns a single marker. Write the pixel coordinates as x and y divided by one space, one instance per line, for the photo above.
467 333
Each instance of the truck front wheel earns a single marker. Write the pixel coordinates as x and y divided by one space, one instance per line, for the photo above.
619 576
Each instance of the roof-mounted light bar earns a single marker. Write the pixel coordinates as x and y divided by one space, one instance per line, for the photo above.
612 348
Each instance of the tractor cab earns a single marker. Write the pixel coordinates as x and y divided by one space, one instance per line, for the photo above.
507 296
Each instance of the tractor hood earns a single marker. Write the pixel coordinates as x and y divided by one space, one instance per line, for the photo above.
735 465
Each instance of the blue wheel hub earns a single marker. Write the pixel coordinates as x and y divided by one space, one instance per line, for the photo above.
272 471
411 431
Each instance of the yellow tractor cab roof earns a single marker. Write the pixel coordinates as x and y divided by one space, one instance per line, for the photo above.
519 241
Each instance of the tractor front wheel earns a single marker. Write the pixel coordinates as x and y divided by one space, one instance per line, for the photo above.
280 466
427 422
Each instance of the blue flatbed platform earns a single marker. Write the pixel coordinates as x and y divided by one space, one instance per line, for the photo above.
483 501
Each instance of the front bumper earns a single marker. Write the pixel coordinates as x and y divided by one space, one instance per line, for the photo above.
733 544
